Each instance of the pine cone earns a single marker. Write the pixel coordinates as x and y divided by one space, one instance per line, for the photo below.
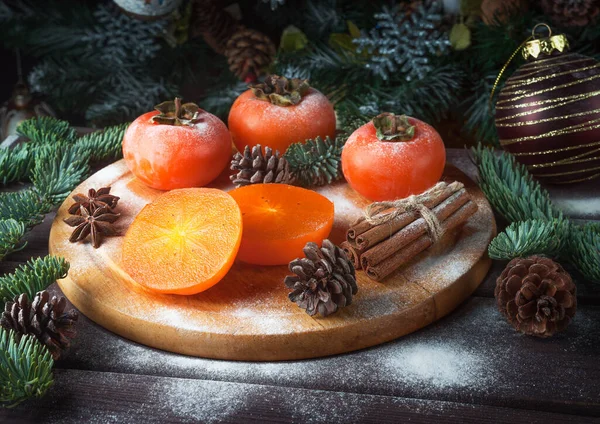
256 168
44 318
574 13
213 23
249 53
536 295
325 280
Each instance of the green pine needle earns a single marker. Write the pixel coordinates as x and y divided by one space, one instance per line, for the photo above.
25 369
34 276
510 188
15 163
106 144
26 206
11 234
45 129
584 248
316 162
525 238
58 170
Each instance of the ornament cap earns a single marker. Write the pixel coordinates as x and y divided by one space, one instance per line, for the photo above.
544 46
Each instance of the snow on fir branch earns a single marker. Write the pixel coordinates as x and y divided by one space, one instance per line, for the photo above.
404 40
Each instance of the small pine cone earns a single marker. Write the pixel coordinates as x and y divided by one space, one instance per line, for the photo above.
573 13
44 318
249 53
213 23
255 168
325 280
536 295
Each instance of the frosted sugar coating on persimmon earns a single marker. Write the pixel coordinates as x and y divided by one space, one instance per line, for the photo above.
184 242
279 220
253 121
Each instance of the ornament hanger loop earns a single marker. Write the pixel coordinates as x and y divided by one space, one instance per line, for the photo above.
541 24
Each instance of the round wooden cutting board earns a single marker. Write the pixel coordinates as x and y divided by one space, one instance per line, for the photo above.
248 315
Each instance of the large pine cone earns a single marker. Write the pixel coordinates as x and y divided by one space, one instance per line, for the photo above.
212 22
325 280
255 168
574 13
249 53
44 318
536 295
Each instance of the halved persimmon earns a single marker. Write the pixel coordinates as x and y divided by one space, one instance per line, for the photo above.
279 220
184 242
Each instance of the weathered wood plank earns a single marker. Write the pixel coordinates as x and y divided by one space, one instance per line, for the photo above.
92 397
471 356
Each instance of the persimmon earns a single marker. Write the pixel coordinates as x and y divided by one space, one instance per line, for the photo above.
392 157
280 112
279 220
177 146
184 242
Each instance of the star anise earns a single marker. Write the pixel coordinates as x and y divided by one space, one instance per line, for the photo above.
94 200
99 222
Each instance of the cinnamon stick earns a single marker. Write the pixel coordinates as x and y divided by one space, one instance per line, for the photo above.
386 267
360 226
412 231
365 239
353 253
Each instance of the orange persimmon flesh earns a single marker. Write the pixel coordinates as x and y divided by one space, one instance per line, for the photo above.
184 242
279 220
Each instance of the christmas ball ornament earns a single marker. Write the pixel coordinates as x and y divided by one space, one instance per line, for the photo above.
573 13
21 106
536 295
548 112
148 9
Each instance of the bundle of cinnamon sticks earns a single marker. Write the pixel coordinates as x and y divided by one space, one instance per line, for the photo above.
380 248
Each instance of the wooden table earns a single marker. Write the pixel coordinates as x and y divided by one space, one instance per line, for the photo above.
470 366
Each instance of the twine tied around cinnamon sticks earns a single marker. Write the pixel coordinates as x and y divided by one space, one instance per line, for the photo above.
376 214
390 234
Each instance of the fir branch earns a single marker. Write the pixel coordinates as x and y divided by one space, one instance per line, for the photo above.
316 162
11 234
428 98
104 145
26 206
25 368
34 276
45 129
525 238
58 170
511 189
584 249
15 163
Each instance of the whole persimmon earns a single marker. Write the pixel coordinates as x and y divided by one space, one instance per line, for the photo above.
392 157
280 112
177 146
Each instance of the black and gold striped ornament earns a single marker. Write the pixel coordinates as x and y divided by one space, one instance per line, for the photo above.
548 112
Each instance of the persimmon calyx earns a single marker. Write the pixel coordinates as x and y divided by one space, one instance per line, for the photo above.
281 91
175 113
392 127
